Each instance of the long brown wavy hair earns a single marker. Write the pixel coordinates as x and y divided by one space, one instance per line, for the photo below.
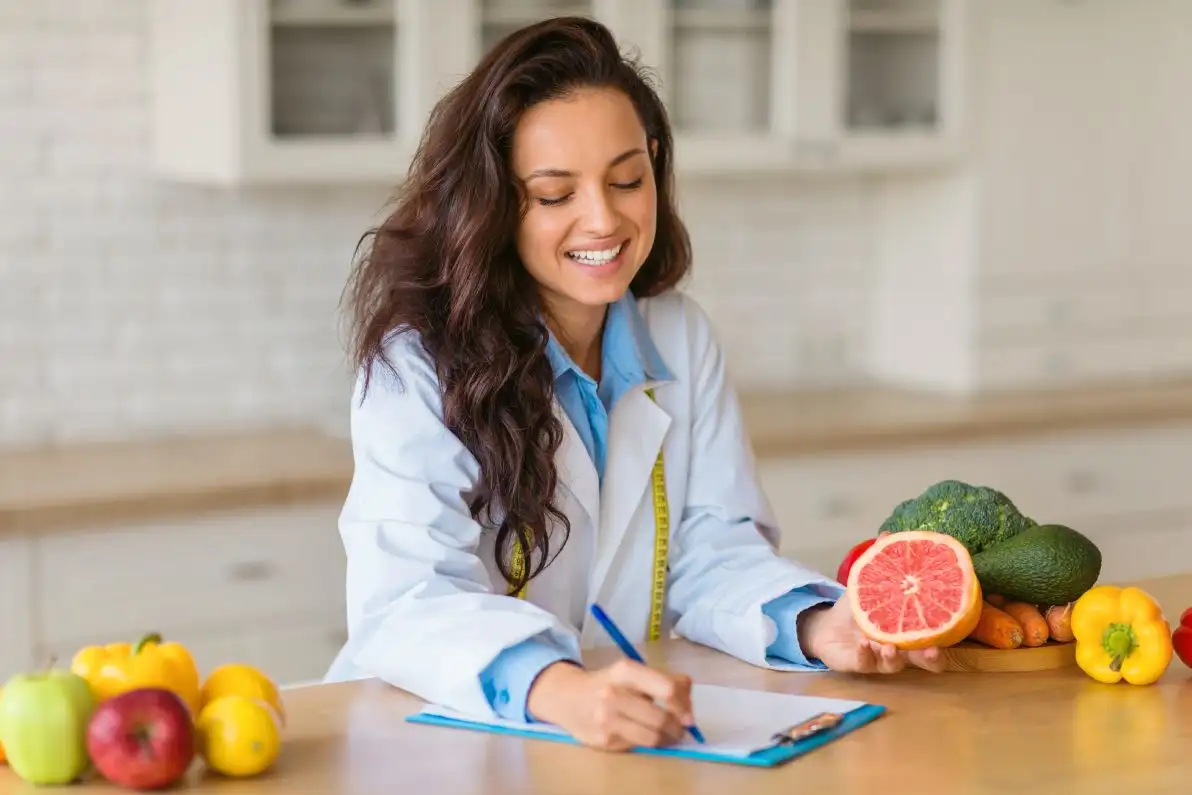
444 264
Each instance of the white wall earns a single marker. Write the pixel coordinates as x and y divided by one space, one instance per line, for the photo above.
1085 172
129 307
1059 253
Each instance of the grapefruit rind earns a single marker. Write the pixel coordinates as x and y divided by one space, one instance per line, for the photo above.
964 619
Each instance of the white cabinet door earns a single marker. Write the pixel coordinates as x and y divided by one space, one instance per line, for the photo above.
259 91
300 653
773 85
17 639
1143 544
717 67
902 78
238 570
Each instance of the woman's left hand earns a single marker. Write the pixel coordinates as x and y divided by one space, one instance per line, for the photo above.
832 636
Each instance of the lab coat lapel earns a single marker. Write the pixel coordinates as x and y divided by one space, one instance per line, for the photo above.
576 471
637 428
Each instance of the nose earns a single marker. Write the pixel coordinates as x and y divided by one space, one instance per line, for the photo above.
599 213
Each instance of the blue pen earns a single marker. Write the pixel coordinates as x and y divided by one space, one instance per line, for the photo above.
630 652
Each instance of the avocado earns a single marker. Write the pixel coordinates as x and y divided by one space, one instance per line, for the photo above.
1045 565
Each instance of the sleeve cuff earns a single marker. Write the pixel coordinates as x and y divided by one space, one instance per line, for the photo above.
509 677
785 612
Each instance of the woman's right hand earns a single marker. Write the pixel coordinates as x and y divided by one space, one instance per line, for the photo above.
616 708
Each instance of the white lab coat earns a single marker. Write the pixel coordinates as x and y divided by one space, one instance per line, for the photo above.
426 606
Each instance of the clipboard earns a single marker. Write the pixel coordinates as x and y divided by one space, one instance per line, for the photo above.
743 727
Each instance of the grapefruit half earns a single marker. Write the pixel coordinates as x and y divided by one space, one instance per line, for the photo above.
915 589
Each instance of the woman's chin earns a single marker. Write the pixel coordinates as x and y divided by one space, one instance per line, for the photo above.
597 295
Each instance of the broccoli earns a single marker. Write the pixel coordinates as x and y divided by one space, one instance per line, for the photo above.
976 516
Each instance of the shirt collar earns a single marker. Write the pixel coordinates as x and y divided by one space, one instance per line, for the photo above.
626 347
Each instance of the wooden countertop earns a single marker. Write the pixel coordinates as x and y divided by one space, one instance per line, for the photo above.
100 484
977 734
869 419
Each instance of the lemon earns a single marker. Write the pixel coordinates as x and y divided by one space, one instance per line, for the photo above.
238 736
239 679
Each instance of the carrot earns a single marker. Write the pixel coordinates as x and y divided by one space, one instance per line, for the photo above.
995 599
1059 622
1035 630
997 628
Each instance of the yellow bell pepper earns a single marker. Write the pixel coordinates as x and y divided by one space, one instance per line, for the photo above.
1121 634
119 667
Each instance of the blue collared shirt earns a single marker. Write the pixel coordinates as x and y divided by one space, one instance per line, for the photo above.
628 359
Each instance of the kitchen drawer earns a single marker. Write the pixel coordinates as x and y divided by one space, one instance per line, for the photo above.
16 597
211 572
828 498
1072 478
1141 545
295 654
1025 365
1066 478
1030 313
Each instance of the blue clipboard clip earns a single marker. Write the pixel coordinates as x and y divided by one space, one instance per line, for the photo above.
814 725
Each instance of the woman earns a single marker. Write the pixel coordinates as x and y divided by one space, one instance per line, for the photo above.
531 380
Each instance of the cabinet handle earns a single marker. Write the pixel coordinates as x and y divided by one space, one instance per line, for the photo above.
836 507
1082 482
251 571
816 150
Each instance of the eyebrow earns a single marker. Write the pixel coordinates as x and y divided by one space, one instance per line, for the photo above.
558 172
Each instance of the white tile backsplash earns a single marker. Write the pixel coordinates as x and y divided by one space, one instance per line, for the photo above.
130 307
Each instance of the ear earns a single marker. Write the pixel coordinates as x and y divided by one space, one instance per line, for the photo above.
653 148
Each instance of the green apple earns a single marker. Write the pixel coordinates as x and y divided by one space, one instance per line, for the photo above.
43 725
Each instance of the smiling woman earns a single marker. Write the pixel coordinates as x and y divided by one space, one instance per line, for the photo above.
532 171
542 422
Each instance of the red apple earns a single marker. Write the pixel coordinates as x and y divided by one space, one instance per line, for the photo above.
142 739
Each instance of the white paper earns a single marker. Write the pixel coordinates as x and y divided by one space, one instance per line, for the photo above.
734 722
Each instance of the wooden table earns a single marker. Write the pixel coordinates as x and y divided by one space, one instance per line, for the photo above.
962 734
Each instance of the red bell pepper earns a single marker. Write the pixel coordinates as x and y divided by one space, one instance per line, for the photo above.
1181 638
847 564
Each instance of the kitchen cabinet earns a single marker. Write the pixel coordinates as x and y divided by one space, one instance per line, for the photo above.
308 91
263 586
337 91
1124 488
902 80
17 621
768 85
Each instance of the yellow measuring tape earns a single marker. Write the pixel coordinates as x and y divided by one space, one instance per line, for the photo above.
661 547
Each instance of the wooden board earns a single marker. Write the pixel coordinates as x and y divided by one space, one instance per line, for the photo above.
973 657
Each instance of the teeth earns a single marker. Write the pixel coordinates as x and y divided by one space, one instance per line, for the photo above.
595 257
